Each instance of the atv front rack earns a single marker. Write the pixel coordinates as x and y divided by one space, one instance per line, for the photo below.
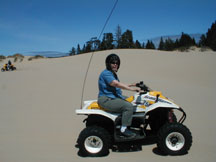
182 119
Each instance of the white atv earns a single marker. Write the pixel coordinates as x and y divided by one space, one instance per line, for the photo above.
153 116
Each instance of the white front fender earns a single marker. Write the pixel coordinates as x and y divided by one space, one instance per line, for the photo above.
161 105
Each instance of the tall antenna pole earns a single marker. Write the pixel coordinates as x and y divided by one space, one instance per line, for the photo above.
107 20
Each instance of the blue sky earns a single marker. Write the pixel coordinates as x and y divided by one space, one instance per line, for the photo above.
58 25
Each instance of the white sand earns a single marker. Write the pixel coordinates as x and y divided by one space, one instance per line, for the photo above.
38 101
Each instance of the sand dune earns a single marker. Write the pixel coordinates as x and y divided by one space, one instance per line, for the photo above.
38 101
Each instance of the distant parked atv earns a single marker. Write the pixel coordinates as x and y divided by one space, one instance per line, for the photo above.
7 67
154 116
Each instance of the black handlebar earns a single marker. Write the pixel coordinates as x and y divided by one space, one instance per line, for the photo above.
142 86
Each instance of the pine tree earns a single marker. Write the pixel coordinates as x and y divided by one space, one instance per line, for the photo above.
95 44
88 46
186 41
161 45
72 52
150 45
84 48
127 40
211 37
118 35
78 49
138 44
169 45
107 42
202 41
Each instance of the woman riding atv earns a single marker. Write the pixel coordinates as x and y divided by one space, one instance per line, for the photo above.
110 94
8 67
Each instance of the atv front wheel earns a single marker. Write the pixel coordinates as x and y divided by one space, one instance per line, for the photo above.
94 141
12 68
174 139
159 117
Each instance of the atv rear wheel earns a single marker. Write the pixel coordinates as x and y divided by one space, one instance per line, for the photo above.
94 141
174 139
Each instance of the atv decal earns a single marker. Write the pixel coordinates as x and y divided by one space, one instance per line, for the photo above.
161 100
154 98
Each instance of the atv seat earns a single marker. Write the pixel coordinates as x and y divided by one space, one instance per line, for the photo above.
95 105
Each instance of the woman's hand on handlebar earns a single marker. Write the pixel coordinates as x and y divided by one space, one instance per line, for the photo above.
133 85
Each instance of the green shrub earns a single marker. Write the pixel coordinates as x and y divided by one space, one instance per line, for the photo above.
35 57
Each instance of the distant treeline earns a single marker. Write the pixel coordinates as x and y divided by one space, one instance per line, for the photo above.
120 40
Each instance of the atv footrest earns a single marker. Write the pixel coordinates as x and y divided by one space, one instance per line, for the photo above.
121 138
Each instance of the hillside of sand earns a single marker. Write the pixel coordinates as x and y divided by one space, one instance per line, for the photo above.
38 102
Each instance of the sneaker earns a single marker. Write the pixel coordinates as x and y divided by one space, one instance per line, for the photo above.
128 133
